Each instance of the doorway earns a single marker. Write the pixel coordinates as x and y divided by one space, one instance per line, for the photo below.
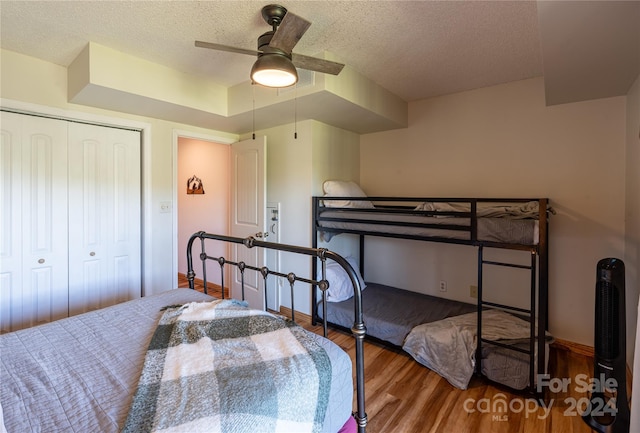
201 188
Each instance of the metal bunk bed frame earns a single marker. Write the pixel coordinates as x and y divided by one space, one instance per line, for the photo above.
538 267
358 330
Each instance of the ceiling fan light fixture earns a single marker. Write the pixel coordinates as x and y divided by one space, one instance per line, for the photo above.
274 70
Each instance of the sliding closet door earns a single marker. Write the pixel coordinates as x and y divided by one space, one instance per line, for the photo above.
33 196
104 217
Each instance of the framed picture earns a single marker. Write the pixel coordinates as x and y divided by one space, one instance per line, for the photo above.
194 185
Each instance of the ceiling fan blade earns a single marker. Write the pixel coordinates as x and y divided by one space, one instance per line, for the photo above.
315 64
289 32
227 48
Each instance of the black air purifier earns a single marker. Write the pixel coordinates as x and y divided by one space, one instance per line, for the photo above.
608 411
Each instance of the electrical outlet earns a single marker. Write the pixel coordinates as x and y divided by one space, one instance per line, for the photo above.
443 286
473 291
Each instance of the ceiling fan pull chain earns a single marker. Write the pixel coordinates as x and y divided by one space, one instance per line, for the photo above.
295 112
253 113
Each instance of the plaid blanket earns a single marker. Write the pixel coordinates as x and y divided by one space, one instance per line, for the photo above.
221 367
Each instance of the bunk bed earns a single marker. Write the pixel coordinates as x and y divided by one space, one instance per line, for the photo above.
419 323
182 360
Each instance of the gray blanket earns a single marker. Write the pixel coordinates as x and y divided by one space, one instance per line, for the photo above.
218 366
448 346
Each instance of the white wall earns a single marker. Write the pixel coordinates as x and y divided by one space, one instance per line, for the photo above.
207 212
503 141
34 81
288 180
336 156
296 168
632 217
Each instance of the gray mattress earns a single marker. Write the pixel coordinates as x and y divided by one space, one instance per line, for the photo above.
79 374
503 230
391 313
509 367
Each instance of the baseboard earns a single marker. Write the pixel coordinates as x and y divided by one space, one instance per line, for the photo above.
581 349
199 281
286 311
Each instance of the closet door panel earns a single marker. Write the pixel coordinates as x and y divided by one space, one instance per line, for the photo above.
104 200
34 221
11 222
125 264
44 214
88 213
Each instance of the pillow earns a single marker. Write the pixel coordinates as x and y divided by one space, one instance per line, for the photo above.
343 188
340 287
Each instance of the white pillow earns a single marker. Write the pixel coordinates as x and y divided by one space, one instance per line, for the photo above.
344 188
340 287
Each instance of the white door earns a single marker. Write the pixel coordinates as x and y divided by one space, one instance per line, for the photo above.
33 246
104 216
248 203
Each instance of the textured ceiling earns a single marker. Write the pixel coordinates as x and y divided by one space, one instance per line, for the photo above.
415 49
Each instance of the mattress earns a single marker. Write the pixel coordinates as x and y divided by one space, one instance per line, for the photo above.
497 229
80 373
391 313
509 367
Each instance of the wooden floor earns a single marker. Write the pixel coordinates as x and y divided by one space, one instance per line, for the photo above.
402 396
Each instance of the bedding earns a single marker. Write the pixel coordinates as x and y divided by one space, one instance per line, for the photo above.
448 346
494 229
340 287
528 209
80 373
391 313
205 356
440 333
341 188
509 367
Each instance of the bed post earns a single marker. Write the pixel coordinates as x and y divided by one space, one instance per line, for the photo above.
543 282
361 262
314 262
359 331
190 272
532 324
479 313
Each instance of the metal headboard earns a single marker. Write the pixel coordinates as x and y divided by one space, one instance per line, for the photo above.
358 330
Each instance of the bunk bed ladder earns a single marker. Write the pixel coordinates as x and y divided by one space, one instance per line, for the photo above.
530 312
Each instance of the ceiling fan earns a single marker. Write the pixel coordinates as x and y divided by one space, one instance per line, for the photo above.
276 64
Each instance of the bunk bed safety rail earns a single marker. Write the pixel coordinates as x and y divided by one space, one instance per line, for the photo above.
358 330
448 220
